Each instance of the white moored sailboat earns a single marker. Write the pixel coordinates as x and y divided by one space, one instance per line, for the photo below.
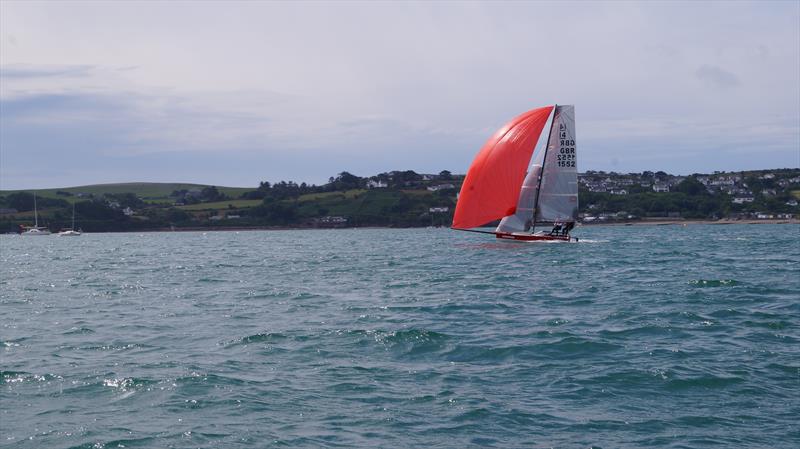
499 185
71 232
36 229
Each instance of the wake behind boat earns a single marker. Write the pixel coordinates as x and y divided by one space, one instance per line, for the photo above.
499 186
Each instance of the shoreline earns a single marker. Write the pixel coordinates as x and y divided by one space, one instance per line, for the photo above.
655 222
667 222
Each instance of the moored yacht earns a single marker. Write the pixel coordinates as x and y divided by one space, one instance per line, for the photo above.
36 229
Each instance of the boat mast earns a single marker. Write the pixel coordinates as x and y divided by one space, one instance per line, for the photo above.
541 172
35 213
73 216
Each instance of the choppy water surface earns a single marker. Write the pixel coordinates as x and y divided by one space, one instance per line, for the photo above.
658 336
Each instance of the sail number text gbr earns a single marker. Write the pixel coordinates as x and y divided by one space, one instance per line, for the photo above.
566 150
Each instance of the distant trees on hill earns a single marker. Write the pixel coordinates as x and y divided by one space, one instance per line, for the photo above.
400 198
97 209
207 194
23 202
691 186
280 191
343 181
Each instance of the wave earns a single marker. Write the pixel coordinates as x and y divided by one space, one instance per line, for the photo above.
79 330
127 442
569 347
707 381
773 325
114 347
128 383
404 342
644 331
11 343
15 377
264 337
414 336
702 283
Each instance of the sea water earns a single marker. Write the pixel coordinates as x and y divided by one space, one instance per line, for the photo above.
641 336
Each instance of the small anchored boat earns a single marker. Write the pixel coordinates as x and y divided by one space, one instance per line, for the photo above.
35 229
70 232
524 187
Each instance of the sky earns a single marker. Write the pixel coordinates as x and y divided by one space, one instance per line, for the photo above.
233 93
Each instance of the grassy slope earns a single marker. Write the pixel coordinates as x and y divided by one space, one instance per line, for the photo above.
349 203
373 205
325 196
148 191
218 205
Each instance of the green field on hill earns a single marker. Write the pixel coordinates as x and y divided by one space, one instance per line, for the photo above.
152 192
220 205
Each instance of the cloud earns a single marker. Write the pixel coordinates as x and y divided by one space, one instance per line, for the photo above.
134 136
717 77
293 91
41 71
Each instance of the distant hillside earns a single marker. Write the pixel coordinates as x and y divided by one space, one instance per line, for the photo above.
147 191
398 198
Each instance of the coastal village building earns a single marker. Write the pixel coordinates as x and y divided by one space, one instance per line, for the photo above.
441 187
377 184
332 220
773 184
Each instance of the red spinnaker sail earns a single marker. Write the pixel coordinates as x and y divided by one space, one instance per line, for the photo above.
491 188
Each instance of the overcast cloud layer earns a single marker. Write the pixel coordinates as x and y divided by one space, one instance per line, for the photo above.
235 93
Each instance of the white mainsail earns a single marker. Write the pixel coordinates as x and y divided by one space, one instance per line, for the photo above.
558 191
549 192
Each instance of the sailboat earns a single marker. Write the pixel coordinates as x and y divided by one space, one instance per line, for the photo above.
523 188
35 230
71 232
